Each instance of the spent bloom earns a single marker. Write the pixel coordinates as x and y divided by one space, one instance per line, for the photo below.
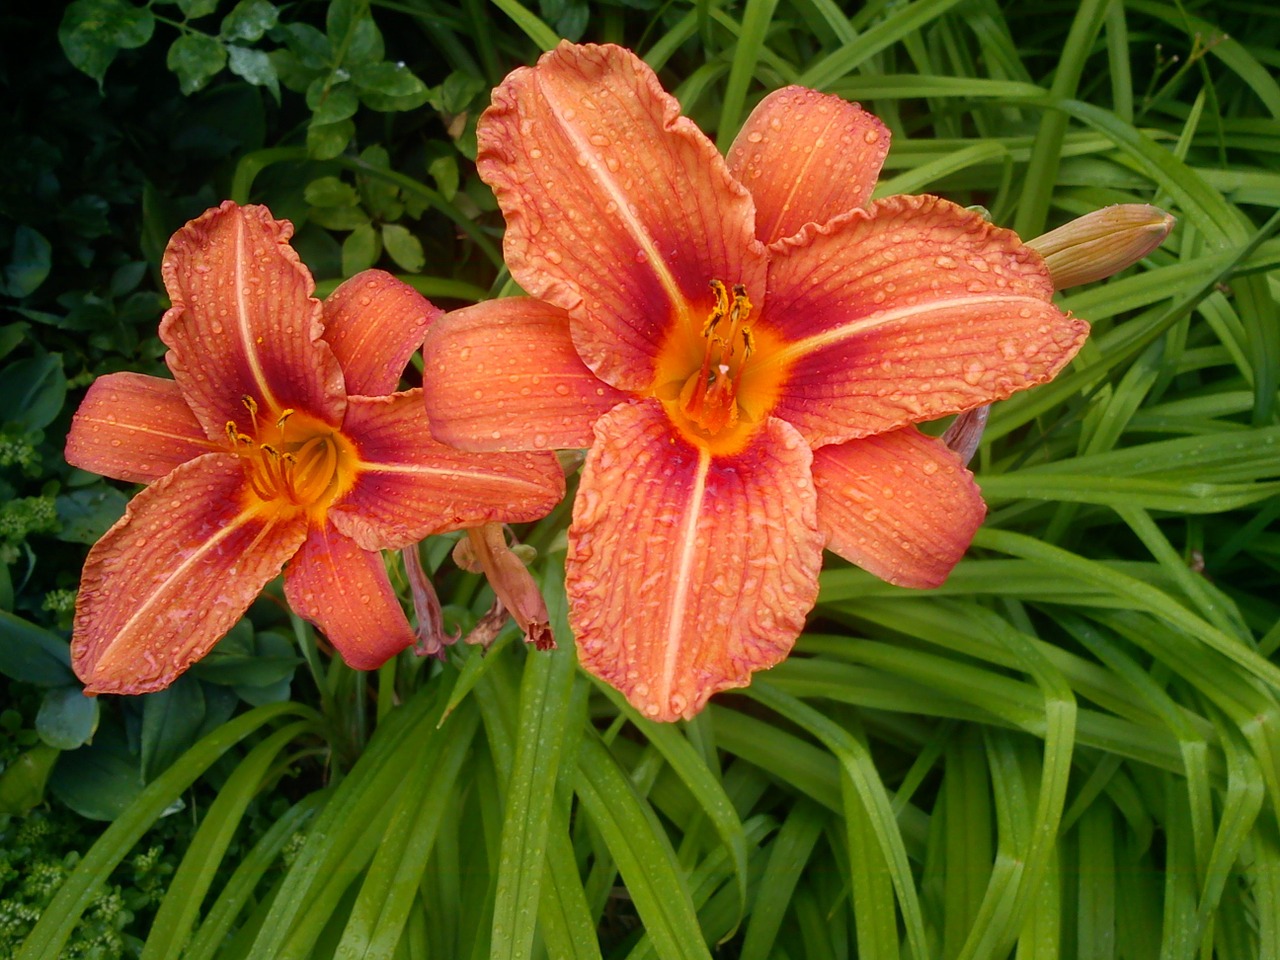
281 439
744 345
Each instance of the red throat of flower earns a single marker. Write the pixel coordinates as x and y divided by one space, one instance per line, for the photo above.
717 380
303 463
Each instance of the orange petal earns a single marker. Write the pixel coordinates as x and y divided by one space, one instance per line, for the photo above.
173 575
807 157
374 323
504 375
134 427
618 209
243 322
685 572
916 310
345 592
900 505
409 486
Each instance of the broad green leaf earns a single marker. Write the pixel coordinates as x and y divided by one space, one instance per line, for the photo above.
330 192
249 20
194 9
360 250
255 66
327 140
171 720
22 782
30 263
32 654
35 389
351 30
331 102
67 718
389 86
99 780
196 58
85 515
403 247
92 32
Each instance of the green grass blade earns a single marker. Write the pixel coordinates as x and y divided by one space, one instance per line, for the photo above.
540 735
173 922
643 854
757 15
901 23
381 909
855 762
788 855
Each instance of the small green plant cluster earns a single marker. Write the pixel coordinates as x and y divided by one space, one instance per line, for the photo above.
38 853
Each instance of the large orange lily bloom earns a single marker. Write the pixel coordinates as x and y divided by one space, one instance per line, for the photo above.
280 439
744 344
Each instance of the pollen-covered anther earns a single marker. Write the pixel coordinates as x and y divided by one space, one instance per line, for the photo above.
709 397
301 467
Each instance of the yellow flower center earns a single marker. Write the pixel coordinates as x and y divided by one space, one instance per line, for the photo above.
714 379
304 464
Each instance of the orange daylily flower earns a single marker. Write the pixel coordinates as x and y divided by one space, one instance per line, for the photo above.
279 440
744 344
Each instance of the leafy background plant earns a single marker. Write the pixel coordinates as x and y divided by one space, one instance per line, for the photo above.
1071 749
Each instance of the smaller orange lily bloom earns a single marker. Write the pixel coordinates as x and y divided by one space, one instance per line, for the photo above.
744 344
281 439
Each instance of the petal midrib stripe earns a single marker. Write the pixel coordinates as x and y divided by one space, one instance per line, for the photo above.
243 323
797 349
607 181
684 581
158 595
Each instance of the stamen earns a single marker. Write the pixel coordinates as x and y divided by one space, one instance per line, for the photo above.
312 469
300 467
719 310
272 471
709 397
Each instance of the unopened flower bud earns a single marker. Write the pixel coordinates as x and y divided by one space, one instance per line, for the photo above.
1101 243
